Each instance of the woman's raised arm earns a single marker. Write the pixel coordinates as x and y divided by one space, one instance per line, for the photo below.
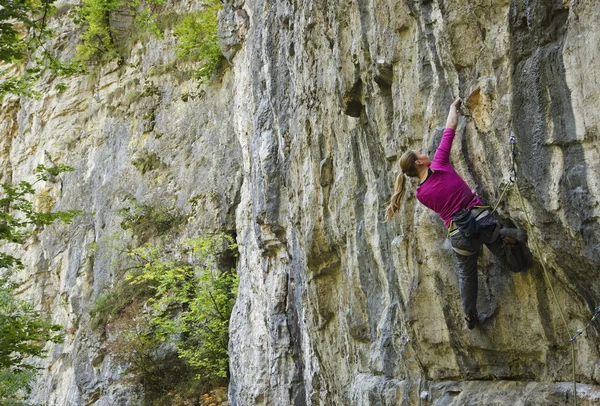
442 155
452 120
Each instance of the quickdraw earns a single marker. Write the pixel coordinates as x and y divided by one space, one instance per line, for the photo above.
588 325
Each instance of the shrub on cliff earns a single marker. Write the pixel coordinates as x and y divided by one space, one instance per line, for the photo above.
198 40
23 56
147 220
103 21
23 331
175 338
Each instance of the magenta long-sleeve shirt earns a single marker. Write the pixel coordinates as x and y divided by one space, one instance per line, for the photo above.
445 192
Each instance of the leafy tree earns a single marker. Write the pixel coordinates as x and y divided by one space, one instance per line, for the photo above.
198 39
98 40
176 338
23 330
23 30
22 26
23 334
206 320
193 301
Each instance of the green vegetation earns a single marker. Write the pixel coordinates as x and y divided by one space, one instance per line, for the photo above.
23 334
170 320
146 221
196 32
23 330
18 219
198 40
99 38
206 296
148 161
117 300
108 30
23 30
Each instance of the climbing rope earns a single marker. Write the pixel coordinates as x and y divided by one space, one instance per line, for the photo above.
512 181
512 177
549 282
508 185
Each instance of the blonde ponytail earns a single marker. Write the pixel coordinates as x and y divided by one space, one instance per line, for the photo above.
407 168
399 189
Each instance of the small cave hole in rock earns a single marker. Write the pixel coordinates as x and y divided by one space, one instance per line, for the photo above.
353 105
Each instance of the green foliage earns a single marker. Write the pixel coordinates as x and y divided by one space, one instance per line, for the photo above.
147 162
96 39
147 17
152 364
13 384
206 321
99 38
146 221
61 87
19 84
23 30
168 20
198 39
117 300
16 19
18 219
180 328
23 334
23 330
206 296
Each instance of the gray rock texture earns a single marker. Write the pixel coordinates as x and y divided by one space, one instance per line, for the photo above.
338 307
293 148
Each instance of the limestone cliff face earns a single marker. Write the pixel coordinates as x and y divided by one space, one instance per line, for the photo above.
143 132
294 149
338 307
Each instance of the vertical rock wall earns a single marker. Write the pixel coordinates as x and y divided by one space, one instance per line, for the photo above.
142 131
294 149
339 307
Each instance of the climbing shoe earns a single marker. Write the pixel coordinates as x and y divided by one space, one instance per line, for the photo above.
514 233
471 320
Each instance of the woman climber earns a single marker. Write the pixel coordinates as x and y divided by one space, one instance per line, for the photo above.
470 224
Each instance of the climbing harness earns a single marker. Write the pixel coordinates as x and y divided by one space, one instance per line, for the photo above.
477 212
512 182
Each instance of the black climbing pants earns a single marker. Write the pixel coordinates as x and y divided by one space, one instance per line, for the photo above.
467 278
